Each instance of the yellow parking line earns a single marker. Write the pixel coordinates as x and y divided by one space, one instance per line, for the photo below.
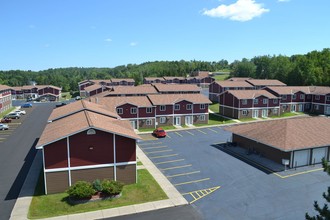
189 133
189 182
145 148
170 161
159 151
177 167
300 173
201 131
193 196
212 130
178 134
183 174
170 155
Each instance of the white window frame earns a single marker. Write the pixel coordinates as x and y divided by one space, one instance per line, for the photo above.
284 97
148 122
328 98
133 110
255 101
245 112
189 106
275 111
244 101
202 106
162 108
265 101
275 101
302 96
317 97
162 120
149 110
316 107
120 111
177 107
294 96
202 118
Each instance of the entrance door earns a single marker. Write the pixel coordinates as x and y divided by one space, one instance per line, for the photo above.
318 154
264 113
188 120
134 124
300 108
177 121
301 158
327 110
255 113
293 108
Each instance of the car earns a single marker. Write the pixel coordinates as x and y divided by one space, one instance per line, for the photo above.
4 127
5 120
159 132
21 112
26 105
78 97
61 104
13 115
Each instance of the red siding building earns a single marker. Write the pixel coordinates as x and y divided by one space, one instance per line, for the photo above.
5 98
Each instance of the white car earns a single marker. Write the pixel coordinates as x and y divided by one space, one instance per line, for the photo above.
4 127
21 112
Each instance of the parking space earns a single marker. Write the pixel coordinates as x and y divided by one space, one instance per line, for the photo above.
219 183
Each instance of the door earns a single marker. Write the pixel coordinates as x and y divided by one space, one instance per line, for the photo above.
188 120
134 124
293 108
255 113
300 108
264 113
318 154
301 158
177 121
327 110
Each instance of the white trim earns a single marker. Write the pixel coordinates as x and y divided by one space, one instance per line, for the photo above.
114 158
170 115
251 108
69 161
44 168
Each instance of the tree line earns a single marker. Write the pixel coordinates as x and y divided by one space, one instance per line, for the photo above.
312 68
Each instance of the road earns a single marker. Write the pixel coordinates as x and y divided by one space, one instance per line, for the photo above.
16 155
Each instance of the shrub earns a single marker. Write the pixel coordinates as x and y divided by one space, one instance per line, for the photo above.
80 190
97 185
112 187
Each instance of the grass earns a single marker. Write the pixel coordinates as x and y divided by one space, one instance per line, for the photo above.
65 96
214 107
288 114
246 119
221 77
6 112
216 120
139 163
169 127
146 190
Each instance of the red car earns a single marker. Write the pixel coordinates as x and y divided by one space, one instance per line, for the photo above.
5 120
159 132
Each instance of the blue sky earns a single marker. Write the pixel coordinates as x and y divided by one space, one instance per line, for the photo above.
42 34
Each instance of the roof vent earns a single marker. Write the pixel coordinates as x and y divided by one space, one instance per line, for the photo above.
91 132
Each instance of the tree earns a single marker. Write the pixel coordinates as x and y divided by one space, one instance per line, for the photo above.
324 212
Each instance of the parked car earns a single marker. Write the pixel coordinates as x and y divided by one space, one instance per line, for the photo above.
5 120
4 127
21 112
78 97
159 132
26 105
61 104
13 115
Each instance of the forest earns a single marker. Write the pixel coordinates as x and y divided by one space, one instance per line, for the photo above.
312 68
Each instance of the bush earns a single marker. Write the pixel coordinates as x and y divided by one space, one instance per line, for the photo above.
111 187
80 190
97 185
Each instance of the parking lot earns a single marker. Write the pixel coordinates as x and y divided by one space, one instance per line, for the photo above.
218 183
14 124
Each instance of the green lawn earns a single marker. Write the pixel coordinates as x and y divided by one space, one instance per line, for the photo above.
216 120
221 77
6 112
288 114
146 190
169 127
65 96
214 107
139 163
247 119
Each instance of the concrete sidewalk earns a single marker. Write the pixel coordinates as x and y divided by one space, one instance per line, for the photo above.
21 207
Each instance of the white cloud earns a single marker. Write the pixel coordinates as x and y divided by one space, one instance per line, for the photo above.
133 44
242 10
108 40
283 0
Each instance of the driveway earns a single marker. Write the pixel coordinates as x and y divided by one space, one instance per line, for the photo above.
222 186
17 153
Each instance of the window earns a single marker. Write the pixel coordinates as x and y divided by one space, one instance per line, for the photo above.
244 101
302 96
328 98
283 97
294 96
202 106
176 107
275 101
317 97
149 110
255 101
189 106
202 117
162 107
149 122
162 120
244 112
133 110
275 111
119 111
316 107
307 105
265 101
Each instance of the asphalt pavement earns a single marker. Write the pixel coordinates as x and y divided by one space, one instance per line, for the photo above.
16 155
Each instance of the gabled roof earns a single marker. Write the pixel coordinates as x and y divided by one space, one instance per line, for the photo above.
4 87
82 121
319 90
288 134
92 87
112 102
250 94
170 99
177 87
239 79
129 90
122 79
173 77
288 90
265 82
79 106
154 78
233 84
